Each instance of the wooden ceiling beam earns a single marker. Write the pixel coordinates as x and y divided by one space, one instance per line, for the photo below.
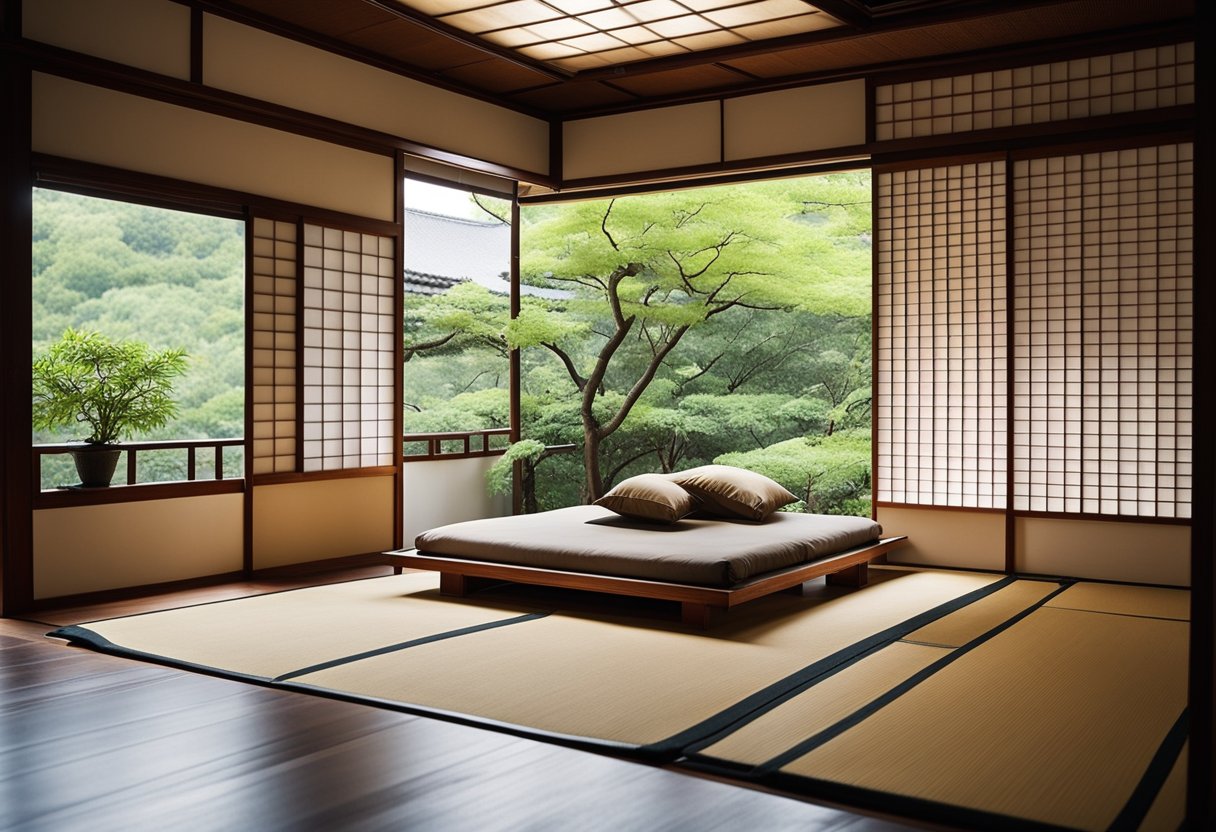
470 40
933 14
850 12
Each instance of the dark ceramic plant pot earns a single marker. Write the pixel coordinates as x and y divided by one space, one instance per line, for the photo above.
95 464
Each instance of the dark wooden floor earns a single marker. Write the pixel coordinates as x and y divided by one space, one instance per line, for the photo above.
94 742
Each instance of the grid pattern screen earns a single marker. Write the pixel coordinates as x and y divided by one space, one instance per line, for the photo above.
274 346
941 326
349 348
1162 76
1102 357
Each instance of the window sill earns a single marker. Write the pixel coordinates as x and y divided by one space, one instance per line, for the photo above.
70 497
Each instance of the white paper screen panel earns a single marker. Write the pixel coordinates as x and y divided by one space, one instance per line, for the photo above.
274 346
1103 314
349 315
941 352
1145 79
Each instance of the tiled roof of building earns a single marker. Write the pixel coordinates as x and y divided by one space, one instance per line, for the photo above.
441 251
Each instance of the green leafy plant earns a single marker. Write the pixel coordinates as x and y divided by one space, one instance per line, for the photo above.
115 388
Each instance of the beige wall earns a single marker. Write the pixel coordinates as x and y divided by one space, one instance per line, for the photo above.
92 548
1153 553
802 120
667 137
148 34
798 120
93 124
448 491
320 519
251 62
937 537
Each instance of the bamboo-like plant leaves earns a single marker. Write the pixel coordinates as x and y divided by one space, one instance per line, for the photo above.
115 389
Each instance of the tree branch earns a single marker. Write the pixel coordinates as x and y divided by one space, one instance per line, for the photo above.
568 362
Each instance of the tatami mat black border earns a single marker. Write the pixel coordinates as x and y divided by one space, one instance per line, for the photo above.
875 705
405 645
1155 775
662 751
764 700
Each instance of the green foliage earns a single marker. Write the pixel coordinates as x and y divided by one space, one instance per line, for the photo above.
830 473
500 474
165 278
691 326
115 388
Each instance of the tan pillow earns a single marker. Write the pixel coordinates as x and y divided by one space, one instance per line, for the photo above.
733 492
649 497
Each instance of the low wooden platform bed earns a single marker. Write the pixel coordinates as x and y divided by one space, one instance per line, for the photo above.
702 560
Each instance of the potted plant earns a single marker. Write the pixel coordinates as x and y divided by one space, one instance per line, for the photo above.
113 388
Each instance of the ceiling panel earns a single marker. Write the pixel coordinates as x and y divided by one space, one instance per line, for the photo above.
577 56
575 95
497 76
690 79
1017 26
412 44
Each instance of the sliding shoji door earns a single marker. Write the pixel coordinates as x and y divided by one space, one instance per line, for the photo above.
349 349
1054 436
1102 362
940 311
273 350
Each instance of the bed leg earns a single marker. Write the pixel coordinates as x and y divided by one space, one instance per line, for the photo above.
694 615
452 584
396 570
857 575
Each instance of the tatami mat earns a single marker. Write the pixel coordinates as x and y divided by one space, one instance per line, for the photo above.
1167 811
827 702
994 704
609 680
958 628
1118 599
624 682
268 635
1054 720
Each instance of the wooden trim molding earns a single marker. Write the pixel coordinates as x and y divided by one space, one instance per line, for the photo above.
786 164
316 476
165 192
1142 126
1201 762
196 45
121 78
16 230
126 593
68 498
240 14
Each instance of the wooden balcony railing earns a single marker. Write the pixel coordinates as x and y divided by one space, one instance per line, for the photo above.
197 452
458 444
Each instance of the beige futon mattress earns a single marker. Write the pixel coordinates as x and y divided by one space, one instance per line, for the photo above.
713 552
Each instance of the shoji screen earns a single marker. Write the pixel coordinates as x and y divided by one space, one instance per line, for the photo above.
1102 359
941 350
350 313
1099 85
274 345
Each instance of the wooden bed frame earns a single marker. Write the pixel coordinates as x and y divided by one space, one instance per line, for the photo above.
458 576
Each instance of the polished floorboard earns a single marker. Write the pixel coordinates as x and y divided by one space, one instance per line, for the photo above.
93 742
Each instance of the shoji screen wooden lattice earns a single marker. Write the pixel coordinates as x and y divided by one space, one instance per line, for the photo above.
1145 79
349 346
1102 358
273 297
941 326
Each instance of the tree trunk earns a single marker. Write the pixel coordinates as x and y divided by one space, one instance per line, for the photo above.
594 484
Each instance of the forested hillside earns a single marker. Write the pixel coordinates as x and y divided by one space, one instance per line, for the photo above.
169 278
